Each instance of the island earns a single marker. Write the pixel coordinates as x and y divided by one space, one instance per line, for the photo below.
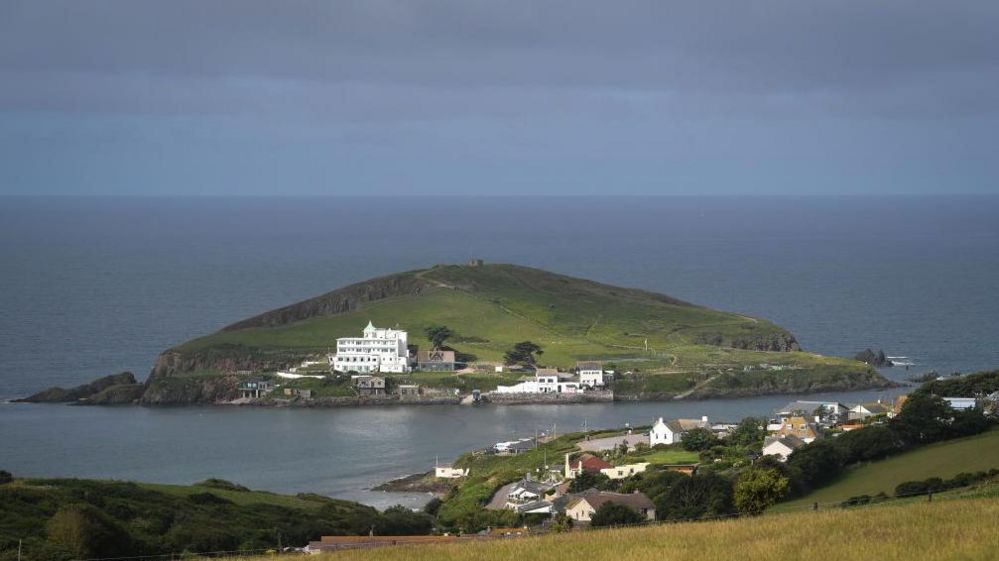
482 332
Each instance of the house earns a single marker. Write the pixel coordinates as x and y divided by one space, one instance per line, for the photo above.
369 385
255 389
781 446
961 403
863 411
583 507
825 411
408 390
671 432
584 463
377 350
446 471
546 380
798 426
591 373
628 470
514 446
435 361
526 496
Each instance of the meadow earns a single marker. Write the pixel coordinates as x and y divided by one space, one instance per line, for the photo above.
942 459
958 529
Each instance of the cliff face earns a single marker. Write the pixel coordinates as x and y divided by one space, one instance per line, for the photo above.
189 390
339 301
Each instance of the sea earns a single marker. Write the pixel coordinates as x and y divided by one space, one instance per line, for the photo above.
91 286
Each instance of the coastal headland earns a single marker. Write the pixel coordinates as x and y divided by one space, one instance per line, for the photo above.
646 346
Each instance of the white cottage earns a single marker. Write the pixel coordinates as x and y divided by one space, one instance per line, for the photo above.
781 446
672 431
591 374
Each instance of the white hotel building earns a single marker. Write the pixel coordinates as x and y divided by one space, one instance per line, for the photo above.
378 350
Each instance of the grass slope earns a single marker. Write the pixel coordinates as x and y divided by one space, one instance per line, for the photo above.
142 518
689 348
943 459
959 529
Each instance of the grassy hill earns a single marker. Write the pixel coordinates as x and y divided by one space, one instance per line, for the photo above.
78 518
959 529
676 346
943 459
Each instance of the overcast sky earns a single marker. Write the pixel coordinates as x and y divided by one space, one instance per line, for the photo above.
500 98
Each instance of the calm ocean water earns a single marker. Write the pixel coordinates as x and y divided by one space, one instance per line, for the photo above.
94 286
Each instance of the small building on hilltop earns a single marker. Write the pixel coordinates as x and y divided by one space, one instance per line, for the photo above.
625 471
435 361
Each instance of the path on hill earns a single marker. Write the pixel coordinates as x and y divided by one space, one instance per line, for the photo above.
696 387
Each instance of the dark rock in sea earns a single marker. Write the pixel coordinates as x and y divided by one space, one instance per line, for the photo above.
875 359
91 390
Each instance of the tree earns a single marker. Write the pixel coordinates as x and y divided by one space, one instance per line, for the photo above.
87 532
560 523
401 521
613 514
924 418
759 489
819 462
438 334
524 353
749 432
697 496
698 439
587 480
5 477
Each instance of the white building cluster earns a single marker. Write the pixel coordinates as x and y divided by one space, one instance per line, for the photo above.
377 350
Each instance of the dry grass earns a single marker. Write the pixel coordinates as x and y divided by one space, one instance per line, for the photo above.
962 529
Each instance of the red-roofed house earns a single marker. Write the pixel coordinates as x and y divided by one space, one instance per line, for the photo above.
586 462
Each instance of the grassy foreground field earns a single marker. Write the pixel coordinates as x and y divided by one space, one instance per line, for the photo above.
959 529
943 459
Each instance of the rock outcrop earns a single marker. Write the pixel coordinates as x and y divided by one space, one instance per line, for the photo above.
875 359
84 392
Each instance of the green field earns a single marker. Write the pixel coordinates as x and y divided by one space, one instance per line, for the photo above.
943 459
671 346
958 529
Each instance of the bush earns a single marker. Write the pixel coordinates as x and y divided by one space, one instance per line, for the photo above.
87 532
613 514
698 439
697 496
401 521
819 462
222 484
759 489
5 477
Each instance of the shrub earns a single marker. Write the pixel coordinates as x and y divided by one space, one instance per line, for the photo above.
699 439
87 532
5 477
911 488
613 514
401 521
759 489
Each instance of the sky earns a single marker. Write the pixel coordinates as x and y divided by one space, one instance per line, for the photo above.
467 97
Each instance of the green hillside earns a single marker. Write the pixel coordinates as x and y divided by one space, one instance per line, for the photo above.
675 346
943 459
57 519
